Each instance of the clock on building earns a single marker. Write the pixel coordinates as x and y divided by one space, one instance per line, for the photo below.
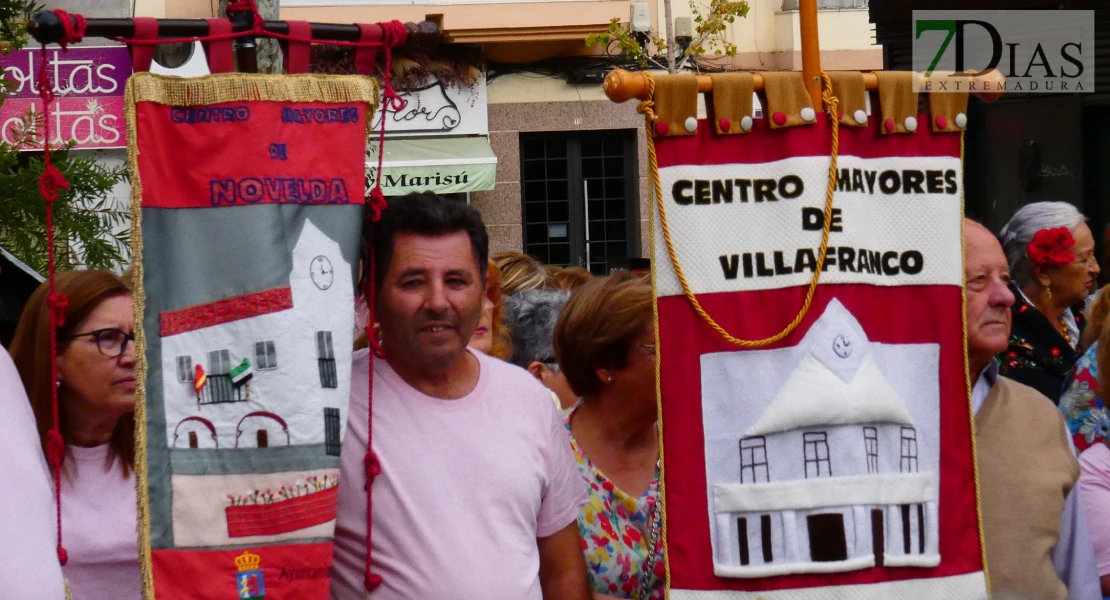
321 271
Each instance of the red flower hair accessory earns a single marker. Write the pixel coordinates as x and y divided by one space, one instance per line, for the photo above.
1051 247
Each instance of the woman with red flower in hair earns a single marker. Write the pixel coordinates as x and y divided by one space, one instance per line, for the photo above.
1051 252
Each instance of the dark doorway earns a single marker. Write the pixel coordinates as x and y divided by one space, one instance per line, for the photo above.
826 538
878 536
263 439
742 533
192 439
765 530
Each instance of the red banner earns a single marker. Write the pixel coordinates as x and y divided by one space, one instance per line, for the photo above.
838 461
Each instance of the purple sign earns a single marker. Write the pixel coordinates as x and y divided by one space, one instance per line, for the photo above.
88 87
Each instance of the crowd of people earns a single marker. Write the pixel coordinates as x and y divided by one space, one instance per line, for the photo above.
514 453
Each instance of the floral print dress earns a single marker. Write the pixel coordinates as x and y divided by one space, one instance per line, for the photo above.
1086 414
616 531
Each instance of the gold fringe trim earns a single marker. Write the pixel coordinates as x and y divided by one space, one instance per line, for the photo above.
212 89
968 384
247 87
652 191
138 299
69 594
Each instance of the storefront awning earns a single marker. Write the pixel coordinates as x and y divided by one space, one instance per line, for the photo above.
445 165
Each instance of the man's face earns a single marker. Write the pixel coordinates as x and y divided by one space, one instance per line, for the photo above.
988 296
431 299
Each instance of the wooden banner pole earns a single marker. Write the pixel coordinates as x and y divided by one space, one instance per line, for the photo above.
811 49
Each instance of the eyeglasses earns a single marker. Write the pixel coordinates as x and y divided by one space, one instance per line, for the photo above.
110 341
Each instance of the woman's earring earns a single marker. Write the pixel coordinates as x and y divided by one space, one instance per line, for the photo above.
1048 293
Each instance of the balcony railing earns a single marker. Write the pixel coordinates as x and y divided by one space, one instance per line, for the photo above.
828 4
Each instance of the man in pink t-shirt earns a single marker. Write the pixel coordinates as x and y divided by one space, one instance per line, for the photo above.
478 493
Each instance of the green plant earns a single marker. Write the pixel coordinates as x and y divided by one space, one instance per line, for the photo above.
711 21
89 232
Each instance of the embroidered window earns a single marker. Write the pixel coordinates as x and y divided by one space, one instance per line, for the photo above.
325 355
753 460
907 527
331 431
817 454
871 445
765 534
908 463
265 355
742 535
185 369
219 386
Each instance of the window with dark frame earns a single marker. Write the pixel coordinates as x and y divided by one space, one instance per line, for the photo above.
219 388
753 460
325 355
908 464
871 445
816 447
185 369
578 196
265 355
332 444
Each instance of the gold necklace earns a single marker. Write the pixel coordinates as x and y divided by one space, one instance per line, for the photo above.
1064 330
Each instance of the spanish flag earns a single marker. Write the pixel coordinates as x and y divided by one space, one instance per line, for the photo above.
200 379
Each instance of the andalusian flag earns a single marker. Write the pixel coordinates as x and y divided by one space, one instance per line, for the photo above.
242 373
200 379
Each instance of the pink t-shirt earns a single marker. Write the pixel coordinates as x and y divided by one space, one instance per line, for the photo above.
98 528
29 568
467 486
1094 491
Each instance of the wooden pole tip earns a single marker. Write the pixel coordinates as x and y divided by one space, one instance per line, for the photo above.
621 85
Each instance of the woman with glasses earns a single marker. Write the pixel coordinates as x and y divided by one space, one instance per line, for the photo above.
1051 252
605 345
96 401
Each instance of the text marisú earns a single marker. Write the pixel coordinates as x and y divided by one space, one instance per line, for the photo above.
889 182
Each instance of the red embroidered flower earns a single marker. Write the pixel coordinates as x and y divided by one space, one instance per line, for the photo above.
1051 247
1024 307
1056 352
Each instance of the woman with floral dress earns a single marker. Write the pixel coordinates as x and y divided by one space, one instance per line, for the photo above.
1082 402
605 345
1051 252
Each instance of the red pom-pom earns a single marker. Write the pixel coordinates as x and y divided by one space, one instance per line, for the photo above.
55 448
59 303
63 556
725 124
49 182
889 124
942 123
779 117
1051 247
1056 352
661 128
372 581
373 466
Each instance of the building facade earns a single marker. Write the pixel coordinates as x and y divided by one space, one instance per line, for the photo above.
570 178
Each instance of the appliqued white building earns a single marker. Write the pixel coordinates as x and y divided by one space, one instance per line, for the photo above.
833 469
297 340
